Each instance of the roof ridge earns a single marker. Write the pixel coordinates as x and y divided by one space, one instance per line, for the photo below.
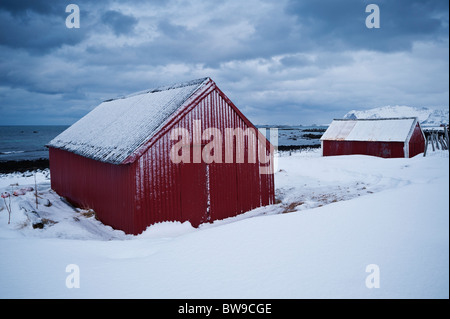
161 88
380 118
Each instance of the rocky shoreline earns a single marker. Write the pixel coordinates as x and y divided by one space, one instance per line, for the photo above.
23 166
296 147
43 163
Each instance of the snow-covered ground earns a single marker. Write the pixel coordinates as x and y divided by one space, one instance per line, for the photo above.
335 216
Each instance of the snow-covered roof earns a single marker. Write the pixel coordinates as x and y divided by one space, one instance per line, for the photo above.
117 127
383 130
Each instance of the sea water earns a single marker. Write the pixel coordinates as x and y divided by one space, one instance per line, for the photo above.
303 136
26 142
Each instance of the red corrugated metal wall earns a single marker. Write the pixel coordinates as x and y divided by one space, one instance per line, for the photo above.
199 192
381 149
106 188
417 142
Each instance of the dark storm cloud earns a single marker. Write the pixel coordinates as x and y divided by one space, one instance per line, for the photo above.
120 23
171 30
323 60
278 59
20 7
38 26
341 24
36 33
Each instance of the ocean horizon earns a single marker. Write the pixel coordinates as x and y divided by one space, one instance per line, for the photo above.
27 142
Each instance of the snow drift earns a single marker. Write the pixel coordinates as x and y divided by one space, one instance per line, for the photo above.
334 217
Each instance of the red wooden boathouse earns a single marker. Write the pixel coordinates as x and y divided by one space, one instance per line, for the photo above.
389 137
117 159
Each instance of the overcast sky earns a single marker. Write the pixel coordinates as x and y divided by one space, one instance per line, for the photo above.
279 61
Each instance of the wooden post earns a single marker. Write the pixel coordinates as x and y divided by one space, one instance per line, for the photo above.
446 136
432 141
426 145
35 190
437 140
8 208
444 145
444 140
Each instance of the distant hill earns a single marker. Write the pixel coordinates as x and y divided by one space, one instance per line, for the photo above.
427 116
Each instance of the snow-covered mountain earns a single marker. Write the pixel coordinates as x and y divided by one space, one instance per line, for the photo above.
427 116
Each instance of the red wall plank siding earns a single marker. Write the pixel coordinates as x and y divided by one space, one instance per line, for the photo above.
417 142
106 188
199 192
381 149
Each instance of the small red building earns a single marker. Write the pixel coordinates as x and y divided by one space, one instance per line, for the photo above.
164 155
390 137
